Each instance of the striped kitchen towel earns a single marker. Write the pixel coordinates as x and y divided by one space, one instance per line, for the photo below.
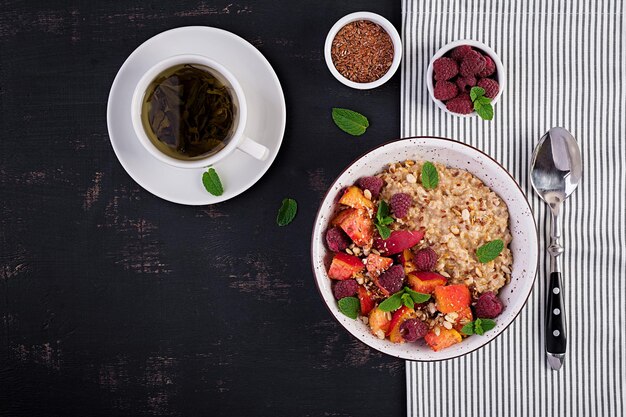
565 66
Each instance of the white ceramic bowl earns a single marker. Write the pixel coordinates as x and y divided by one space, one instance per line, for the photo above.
385 24
524 245
476 45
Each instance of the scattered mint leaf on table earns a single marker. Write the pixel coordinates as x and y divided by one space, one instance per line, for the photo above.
287 212
430 176
489 251
212 183
349 306
349 121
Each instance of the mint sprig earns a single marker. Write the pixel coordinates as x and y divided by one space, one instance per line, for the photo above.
349 306
430 176
482 104
287 212
351 122
489 251
212 182
478 326
406 297
383 219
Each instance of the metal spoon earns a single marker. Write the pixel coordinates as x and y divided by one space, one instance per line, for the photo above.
555 171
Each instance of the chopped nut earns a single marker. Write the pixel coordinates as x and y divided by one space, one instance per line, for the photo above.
447 325
356 250
359 280
349 251
505 269
388 315
431 308
445 274
380 334
375 252
409 162
455 230
453 315
465 215
478 272
436 331
410 178
368 194
366 252
365 319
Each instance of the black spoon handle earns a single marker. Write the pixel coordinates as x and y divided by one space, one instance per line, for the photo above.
556 340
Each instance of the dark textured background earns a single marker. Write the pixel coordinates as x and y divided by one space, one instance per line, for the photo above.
114 302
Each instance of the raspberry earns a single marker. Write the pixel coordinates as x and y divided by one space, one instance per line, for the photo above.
336 239
346 288
413 329
491 87
473 63
445 68
459 52
461 104
466 83
490 67
400 204
425 259
392 279
445 90
374 184
488 306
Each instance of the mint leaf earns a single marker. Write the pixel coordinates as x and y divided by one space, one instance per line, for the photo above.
476 92
486 324
489 251
349 121
430 176
287 212
349 306
407 300
482 104
212 183
383 231
468 329
383 220
383 210
417 297
392 303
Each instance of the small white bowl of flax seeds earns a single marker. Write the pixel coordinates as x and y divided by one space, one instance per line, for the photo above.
363 50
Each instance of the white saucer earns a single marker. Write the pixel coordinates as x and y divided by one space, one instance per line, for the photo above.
266 115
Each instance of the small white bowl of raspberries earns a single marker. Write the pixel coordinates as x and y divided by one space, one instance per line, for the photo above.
458 67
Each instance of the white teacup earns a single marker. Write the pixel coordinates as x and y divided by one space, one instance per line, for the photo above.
236 140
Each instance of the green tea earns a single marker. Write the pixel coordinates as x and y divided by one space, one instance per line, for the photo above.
188 112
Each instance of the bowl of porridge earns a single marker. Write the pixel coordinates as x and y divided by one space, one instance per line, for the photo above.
425 249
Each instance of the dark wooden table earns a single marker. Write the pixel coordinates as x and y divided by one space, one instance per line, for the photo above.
114 302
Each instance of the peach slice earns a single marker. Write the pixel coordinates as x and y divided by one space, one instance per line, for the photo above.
396 321
378 321
353 197
444 339
357 225
377 264
406 260
425 282
366 300
452 298
344 266
398 241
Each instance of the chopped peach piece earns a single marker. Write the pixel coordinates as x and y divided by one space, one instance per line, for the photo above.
344 266
425 282
452 298
444 339
396 321
357 225
366 300
354 197
377 264
378 321
464 317
406 259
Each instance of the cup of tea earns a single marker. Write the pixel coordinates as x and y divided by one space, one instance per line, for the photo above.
190 112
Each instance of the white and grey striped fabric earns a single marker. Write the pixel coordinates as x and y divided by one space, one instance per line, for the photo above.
565 66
